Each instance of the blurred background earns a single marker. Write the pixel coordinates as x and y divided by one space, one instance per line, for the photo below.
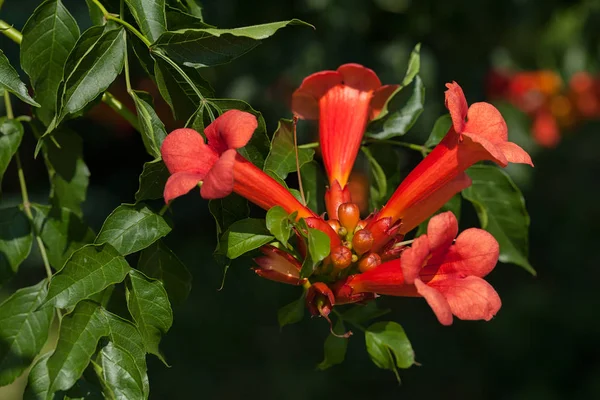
226 344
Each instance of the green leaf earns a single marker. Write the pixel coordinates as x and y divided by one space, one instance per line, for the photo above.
318 249
401 117
440 128
95 13
23 330
11 134
454 205
389 347
335 347
152 181
292 313
153 130
502 212
62 232
69 175
209 47
149 306
379 193
38 382
48 36
16 239
131 228
118 373
243 236
195 8
79 334
414 65
150 16
313 182
278 223
228 210
159 262
90 270
282 157
177 91
178 19
93 64
258 147
125 334
10 80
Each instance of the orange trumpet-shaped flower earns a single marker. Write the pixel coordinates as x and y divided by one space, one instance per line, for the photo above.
219 167
477 133
343 101
448 275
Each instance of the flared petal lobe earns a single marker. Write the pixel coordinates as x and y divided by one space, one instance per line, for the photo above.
343 101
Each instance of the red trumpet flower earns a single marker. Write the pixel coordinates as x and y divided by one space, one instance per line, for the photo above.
279 266
477 133
220 168
449 276
343 101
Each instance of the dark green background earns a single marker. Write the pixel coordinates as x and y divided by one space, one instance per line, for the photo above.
226 344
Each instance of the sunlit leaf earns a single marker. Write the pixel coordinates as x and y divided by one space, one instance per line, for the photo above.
131 228
48 37
118 373
243 236
159 262
90 270
209 47
150 16
23 330
389 347
10 80
16 238
148 303
153 130
282 157
278 223
318 244
38 382
401 115
502 212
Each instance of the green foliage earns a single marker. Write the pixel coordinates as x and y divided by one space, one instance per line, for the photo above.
243 236
153 130
23 330
150 16
148 303
282 157
389 347
501 210
292 313
279 224
11 134
10 80
131 228
318 248
334 347
118 373
152 181
48 37
16 239
440 128
379 192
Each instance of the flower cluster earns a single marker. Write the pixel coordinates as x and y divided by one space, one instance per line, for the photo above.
550 103
367 257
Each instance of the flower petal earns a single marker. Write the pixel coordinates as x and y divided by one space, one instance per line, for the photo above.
477 148
232 130
475 252
218 183
469 298
359 77
413 259
514 153
456 103
380 97
436 301
485 120
180 183
184 150
441 231
305 100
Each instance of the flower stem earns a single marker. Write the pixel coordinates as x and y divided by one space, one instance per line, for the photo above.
25 194
309 145
119 108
